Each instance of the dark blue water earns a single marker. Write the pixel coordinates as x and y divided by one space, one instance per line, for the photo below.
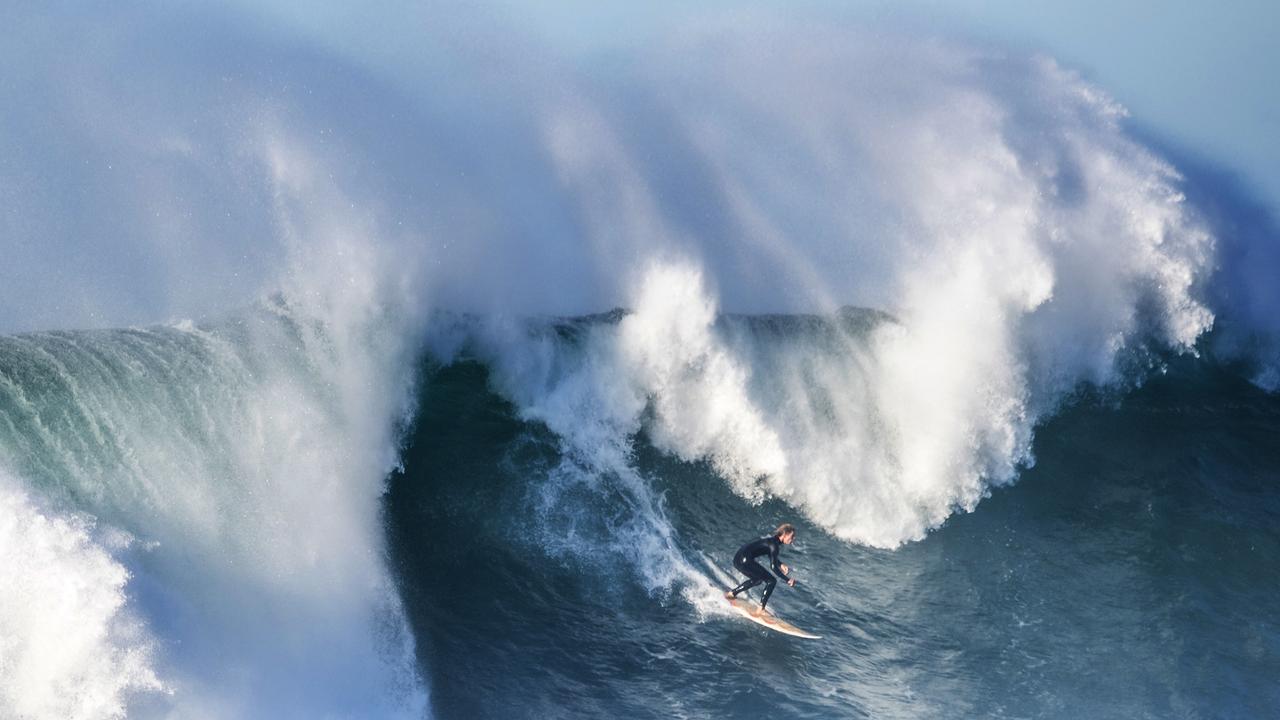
1128 574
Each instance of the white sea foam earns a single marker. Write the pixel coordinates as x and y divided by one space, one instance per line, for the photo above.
993 205
70 647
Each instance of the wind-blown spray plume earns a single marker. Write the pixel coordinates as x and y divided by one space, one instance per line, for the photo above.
993 205
248 458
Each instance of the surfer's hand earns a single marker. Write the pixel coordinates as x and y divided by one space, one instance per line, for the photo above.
785 570
792 582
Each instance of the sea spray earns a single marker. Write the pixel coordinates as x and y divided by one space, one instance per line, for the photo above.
993 205
240 473
247 455
1013 242
69 646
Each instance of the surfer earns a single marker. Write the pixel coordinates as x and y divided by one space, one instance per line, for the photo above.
744 561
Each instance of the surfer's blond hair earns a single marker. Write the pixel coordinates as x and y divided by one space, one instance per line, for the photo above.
783 529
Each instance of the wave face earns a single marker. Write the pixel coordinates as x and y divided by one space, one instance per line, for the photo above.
1117 578
862 274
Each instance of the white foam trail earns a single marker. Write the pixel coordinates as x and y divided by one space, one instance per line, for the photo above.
594 396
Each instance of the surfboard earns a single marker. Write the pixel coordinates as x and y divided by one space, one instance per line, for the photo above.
773 622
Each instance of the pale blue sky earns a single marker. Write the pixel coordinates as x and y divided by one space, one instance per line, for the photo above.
1201 74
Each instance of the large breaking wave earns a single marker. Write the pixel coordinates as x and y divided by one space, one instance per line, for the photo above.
738 188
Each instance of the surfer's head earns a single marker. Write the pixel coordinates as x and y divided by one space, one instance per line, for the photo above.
786 532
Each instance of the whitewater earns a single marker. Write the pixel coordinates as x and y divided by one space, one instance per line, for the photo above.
427 372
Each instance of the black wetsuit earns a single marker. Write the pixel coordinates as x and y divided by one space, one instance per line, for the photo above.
744 560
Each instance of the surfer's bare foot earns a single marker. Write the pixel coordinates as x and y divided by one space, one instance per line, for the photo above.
728 594
759 612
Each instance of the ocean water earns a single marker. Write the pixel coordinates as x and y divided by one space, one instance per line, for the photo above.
1121 576
485 359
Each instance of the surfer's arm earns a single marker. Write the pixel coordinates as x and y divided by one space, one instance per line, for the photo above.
787 570
777 565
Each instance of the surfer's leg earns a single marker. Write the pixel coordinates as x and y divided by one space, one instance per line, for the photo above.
769 582
738 563
755 573
745 586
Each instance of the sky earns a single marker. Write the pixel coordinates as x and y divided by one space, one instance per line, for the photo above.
1200 74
